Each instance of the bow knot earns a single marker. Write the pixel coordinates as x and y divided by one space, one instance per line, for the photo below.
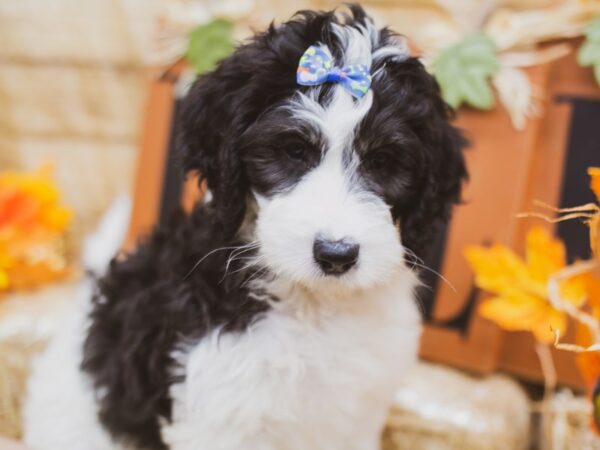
316 67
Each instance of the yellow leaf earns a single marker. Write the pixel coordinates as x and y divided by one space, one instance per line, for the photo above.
30 200
574 290
56 218
3 280
588 364
5 261
594 225
521 287
592 286
594 222
496 267
594 173
549 320
545 255
523 312
33 223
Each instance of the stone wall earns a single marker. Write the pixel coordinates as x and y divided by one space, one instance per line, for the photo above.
74 74
72 86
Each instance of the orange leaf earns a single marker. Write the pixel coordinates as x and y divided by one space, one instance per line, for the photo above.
594 173
592 287
545 254
31 200
589 366
521 287
496 267
4 283
522 312
32 228
594 225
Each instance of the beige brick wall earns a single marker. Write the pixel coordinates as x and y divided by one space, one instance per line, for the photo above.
73 77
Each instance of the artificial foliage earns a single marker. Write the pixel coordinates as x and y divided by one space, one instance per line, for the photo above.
589 53
464 71
208 44
520 286
594 220
540 293
33 226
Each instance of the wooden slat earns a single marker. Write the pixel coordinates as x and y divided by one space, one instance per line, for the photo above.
499 162
151 160
566 78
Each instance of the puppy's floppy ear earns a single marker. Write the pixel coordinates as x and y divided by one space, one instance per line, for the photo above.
214 115
221 105
441 186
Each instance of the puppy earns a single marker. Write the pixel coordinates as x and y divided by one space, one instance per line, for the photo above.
281 313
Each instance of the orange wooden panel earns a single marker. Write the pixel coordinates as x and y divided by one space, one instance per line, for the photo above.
151 160
499 162
508 169
566 78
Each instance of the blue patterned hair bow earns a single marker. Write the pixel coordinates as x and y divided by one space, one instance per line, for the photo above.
316 67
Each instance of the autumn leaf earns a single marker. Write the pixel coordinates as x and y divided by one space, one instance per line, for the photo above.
464 71
594 173
594 222
30 200
592 287
33 223
4 283
208 44
589 53
594 225
520 287
589 368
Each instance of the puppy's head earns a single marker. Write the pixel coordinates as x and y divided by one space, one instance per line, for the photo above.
341 185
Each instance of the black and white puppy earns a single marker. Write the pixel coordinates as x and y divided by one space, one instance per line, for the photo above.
280 314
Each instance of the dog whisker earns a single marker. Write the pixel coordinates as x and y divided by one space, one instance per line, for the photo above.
419 302
253 261
234 248
439 275
411 253
258 273
235 254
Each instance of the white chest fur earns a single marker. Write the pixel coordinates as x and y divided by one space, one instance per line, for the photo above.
297 380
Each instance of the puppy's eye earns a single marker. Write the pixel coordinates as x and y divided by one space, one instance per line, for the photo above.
295 152
379 160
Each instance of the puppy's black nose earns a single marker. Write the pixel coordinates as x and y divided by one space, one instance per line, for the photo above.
335 257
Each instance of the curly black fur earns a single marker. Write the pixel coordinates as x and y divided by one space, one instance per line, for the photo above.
423 167
151 299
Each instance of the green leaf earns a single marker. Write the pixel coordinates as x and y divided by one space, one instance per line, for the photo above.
477 91
464 71
592 31
208 44
589 53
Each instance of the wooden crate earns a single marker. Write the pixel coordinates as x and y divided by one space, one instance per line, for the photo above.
509 169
